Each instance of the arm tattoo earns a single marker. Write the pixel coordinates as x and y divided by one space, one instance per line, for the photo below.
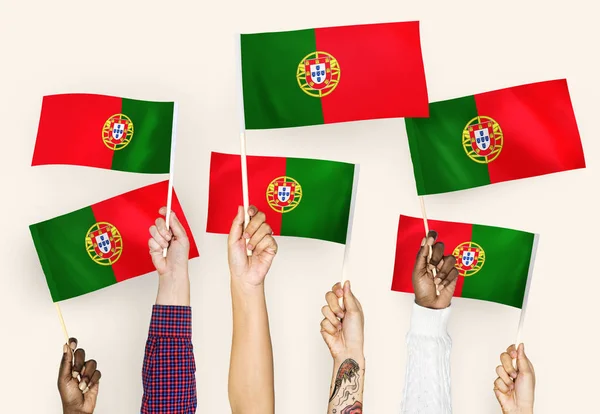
347 378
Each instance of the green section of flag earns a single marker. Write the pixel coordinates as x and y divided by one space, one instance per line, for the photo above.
149 151
60 244
439 160
272 96
324 209
503 277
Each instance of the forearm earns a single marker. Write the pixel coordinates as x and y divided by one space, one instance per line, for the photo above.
347 384
251 366
173 291
427 384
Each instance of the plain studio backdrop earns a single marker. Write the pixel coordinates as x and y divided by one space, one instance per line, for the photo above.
184 51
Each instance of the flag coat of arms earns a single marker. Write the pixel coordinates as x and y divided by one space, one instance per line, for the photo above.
105 132
300 197
103 244
497 136
333 74
494 264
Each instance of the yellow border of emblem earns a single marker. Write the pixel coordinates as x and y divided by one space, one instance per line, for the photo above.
117 246
270 193
335 75
480 258
498 141
107 135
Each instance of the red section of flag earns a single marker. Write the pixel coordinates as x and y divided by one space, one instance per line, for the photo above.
411 231
225 189
539 127
132 214
70 130
387 78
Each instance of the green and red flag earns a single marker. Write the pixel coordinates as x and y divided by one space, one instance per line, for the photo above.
105 132
103 244
497 136
333 74
300 197
494 263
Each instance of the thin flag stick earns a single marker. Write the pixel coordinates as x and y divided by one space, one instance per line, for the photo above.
62 322
426 224
345 264
171 168
245 197
526 296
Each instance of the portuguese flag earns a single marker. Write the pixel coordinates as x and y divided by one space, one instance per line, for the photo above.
333 74
300 197
103 244
494 263
105 132
503 135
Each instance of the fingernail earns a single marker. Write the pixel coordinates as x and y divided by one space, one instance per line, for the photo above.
423 241
270 251
73 345
340 315
82 371
82 385
513 355
75 374
440 287
513 375
168 237
437 280
86 390
339 293
250 247
246 236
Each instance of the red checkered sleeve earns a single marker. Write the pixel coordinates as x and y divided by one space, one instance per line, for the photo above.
169 373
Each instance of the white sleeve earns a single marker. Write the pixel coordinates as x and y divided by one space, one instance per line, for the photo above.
427 383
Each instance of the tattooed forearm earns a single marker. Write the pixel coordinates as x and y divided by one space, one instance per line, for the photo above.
346 394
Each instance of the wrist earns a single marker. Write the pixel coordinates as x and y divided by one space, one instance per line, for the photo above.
173 290
357 356
246 288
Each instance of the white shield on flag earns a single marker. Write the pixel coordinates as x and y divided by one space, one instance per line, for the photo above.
118 130
283 193
318 73
103 242
482 138
468 257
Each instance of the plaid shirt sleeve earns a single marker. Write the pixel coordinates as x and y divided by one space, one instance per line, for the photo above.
168 374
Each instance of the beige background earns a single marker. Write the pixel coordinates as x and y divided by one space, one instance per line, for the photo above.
183 50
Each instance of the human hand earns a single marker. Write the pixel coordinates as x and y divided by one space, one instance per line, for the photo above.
514 388
343 327
173 282
77 380
250 270
424 283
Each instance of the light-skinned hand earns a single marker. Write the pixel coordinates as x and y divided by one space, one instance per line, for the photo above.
342 328
425 284
515 388
250 270
78 380
173 282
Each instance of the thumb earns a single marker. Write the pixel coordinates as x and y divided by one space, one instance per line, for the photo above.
66 364
350 302
523 364
237 227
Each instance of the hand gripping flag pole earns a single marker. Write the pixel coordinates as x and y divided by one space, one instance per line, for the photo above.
426 224
242 135
171 168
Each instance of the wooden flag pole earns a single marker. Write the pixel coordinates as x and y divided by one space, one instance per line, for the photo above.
245 197
62 322
426 224
171 168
